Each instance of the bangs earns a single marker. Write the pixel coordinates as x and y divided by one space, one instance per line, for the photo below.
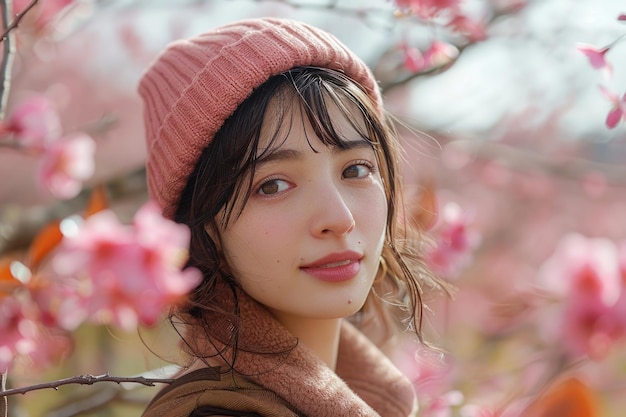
307 96
303 95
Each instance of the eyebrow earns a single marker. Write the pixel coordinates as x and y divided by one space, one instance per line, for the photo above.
294 155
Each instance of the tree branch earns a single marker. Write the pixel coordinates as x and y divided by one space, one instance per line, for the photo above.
87 380
403 80
8 52
4 406
9 26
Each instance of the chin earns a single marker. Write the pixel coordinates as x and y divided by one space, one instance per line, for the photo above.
347 308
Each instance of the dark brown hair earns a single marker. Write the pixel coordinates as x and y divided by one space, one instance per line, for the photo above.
220 185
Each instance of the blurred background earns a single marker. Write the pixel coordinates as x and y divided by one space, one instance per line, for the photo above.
507 148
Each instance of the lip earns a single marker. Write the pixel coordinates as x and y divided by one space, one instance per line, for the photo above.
336 267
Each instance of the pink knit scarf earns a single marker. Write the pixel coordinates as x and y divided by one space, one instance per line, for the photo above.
365 383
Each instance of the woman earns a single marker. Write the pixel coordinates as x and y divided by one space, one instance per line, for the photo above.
267 137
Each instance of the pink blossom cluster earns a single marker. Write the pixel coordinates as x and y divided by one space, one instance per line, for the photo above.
19 333
65 162
455 241
448 13
438 54
588 277
597 59
124 275
26 330
444 13
102 272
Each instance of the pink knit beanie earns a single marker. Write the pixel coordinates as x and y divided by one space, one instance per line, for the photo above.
196 84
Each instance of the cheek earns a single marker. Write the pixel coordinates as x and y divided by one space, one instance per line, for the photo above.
257 239
382 210
267 228
374 213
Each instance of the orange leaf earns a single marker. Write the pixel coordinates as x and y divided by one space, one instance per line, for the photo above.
46 240
97 201
7 281
423 210
569 398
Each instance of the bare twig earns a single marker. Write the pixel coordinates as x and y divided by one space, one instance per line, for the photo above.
87 380
4 406
10 25
8 51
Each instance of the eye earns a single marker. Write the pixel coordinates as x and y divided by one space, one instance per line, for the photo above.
273 187
359 170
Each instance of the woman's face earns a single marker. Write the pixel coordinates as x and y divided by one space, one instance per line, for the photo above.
307 244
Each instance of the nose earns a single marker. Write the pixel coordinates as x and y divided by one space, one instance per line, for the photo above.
332 214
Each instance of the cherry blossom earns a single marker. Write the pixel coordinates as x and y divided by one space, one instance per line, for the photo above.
123 275
454 241
618 111
585 274
34 123
413 58
440 53
596 57
474 30
18 331
590 328
583 267
66 164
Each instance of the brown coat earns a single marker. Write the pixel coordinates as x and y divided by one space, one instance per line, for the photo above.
206 392
365 383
